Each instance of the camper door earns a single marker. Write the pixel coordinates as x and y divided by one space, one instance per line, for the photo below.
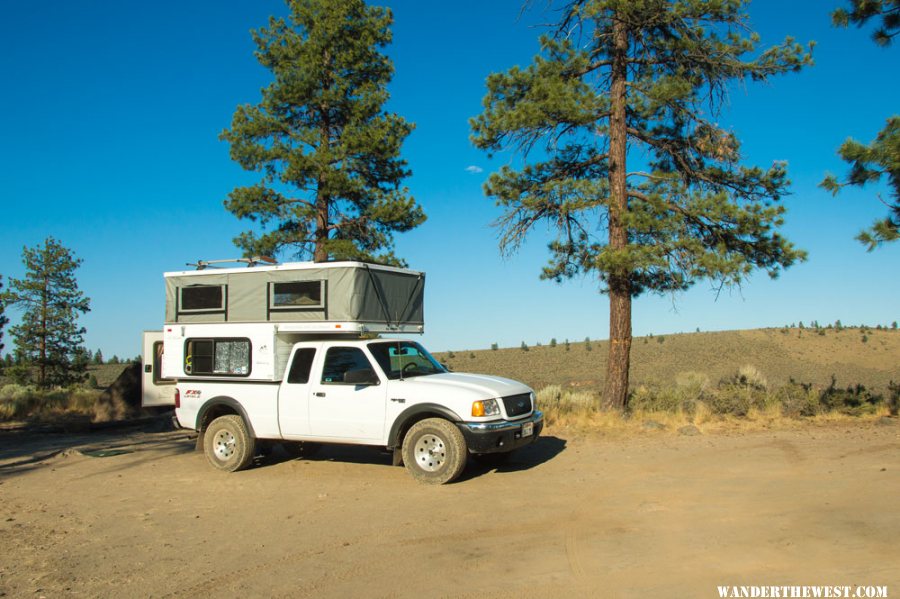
155 390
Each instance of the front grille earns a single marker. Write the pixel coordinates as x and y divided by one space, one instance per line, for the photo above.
517 405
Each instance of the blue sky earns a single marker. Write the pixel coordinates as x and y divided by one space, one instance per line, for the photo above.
110 115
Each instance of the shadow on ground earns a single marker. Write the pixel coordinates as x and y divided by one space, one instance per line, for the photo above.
542 450
24 450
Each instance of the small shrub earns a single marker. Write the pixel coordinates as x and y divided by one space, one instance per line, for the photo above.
854 400
661 339
472 355
567 345
798 399
893 400
864 338
557 403
494 347
553 342
450 354
587 344
894 325
524 346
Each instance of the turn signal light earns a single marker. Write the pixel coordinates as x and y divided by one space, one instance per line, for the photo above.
478 409
177 398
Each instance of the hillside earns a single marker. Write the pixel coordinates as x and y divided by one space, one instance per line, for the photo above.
779 354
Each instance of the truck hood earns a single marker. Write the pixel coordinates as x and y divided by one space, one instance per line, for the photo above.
481 386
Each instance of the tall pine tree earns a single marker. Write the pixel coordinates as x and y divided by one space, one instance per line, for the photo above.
615 121
881 157
48 338
3 319
327 151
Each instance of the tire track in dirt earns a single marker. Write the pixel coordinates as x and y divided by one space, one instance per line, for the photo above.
573 555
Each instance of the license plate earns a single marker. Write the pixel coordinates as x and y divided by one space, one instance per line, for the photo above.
527 429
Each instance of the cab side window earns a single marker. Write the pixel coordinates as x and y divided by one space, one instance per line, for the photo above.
341 361
300 367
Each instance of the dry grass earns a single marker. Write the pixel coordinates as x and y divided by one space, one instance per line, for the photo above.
799 354
741 403
20 402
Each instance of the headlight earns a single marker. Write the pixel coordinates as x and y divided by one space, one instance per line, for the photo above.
486 407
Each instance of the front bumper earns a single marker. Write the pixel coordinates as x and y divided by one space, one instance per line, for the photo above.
500 436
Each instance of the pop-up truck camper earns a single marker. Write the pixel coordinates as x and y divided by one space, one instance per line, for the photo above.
293 354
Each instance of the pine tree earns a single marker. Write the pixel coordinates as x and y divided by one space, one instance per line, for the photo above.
328 153
863 11
98 357
621 154
868 163
48 337
3 319
881 157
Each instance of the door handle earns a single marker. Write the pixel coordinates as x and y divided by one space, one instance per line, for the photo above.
319 394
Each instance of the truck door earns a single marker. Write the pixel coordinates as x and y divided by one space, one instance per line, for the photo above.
155 390
293 396
345 402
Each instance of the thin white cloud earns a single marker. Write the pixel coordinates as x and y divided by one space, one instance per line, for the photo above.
474 169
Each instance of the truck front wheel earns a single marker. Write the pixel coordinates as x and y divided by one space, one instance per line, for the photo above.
434 451
227 444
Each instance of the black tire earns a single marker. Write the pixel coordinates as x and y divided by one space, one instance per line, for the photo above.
300 449
227 444
492 460
434 451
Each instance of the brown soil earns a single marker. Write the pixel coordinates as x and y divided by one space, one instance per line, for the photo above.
656 515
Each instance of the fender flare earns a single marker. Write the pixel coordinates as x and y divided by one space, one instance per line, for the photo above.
223 400
410 413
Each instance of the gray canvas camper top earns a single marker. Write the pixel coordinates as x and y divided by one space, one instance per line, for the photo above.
301 297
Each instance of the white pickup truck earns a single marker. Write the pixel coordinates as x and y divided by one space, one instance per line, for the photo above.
382 392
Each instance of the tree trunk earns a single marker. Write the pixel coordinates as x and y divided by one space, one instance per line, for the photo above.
45 298
616 389
320 254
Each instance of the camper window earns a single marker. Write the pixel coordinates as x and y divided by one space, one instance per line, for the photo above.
202 298
228 357
296 295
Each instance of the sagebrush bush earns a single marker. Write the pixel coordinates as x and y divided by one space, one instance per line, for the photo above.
555 402
662 399
854 400
798 400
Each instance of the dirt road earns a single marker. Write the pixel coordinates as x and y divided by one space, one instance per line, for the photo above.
651 516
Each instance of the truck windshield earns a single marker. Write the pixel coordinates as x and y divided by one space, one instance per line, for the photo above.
404 359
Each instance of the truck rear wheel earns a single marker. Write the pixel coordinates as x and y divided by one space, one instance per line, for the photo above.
227 443
434 451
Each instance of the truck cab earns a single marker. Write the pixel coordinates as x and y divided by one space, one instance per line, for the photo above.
384 392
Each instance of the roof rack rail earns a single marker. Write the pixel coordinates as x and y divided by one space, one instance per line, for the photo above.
204 264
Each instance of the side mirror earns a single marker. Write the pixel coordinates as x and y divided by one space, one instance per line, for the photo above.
361 376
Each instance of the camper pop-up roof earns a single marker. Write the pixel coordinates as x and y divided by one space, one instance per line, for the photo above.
371 297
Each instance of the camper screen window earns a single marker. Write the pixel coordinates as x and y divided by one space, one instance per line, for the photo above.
296 295
229 357
202 297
